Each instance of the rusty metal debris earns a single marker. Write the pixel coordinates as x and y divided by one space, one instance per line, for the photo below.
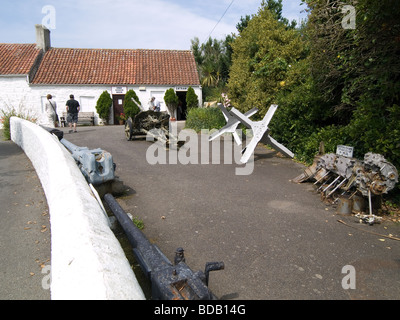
169 281
370 232
339 177
368 218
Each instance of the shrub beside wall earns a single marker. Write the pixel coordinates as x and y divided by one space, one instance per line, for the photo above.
205 118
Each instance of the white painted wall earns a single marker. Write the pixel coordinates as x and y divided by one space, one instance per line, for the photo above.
17 93
87 261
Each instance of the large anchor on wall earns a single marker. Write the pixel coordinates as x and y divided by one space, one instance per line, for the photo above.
260 130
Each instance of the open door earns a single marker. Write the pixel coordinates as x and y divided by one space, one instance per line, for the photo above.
118 104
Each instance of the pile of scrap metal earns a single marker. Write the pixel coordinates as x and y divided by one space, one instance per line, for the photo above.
340 177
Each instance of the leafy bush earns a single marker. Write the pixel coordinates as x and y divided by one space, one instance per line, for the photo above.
131 103
205 118
103 105
192 101
171 100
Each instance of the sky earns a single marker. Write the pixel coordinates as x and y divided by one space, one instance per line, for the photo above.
129 24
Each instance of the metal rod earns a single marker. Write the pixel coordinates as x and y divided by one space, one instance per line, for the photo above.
331 184
322 177
338 186
370 202
135 236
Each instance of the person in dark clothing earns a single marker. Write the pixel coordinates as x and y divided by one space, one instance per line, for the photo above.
73 109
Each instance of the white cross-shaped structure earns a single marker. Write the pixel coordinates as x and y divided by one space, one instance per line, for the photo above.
231 124
260 131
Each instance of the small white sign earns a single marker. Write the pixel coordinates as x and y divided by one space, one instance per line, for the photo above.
345 151
181 88
118 90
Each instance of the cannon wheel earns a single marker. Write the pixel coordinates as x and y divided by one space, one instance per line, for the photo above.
128 129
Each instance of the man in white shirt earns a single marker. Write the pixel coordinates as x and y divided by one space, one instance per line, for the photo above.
157 105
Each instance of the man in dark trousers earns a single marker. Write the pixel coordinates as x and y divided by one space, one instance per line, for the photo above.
73 109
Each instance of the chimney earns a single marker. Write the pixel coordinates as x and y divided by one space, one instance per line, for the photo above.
42 37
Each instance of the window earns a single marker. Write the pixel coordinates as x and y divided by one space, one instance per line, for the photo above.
88 104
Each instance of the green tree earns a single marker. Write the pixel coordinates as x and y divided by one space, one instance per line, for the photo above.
262 55
276 8
244 22
171 101
103 106
131 104
213 59
192 100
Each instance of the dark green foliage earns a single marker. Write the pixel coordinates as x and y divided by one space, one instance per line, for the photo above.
171 100
192 100
103 105
205 118
213 59
357 72
131 103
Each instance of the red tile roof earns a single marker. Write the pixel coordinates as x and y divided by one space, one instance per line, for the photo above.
17 59
118 67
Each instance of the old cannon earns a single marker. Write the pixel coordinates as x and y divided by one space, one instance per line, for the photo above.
169 281
96 165
151 124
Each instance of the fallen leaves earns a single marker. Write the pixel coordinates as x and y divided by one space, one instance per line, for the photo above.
42 265
30 223
43 227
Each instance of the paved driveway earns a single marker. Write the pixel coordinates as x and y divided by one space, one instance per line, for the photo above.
277 239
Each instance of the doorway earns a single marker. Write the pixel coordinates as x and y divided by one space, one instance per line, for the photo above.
182 106
118 104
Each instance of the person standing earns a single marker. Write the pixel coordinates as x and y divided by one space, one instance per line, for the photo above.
73 109
151 104
157 106
51 111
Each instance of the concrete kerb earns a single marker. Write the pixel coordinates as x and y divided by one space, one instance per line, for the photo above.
87 261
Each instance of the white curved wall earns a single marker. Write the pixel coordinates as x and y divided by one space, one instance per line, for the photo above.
87 261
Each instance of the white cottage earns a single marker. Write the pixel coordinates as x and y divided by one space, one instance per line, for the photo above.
28 72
